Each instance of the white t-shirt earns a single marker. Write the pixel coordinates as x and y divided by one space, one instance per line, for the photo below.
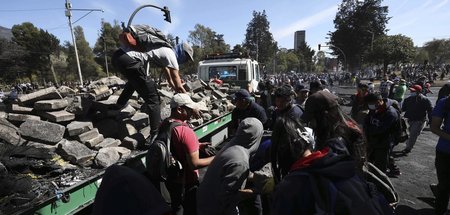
163 57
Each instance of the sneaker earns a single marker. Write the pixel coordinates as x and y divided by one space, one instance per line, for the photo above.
433 188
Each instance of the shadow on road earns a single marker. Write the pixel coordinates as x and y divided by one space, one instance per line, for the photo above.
406 210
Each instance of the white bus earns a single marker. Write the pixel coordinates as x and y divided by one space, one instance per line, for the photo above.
233 68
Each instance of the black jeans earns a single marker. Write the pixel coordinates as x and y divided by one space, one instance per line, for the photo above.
442 164
379 157
134 71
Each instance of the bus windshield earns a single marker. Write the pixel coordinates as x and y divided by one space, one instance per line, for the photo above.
225 73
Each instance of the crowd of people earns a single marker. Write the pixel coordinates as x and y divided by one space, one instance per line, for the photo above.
292 149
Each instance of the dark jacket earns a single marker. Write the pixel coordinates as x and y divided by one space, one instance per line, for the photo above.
294 194
378 126
416 108
292 112
254 110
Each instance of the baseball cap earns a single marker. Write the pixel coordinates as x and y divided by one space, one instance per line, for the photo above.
242 93
183 99
318 103
301 88
416 88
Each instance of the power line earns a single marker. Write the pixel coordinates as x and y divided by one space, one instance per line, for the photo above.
29 10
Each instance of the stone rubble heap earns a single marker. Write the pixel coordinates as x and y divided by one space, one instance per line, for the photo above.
84 129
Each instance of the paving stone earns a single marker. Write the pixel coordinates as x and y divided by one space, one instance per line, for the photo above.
58 116
124 152
79 105
49 105
145 132
76 128
99 90
76 152
65 91
107 157
218 94
42 131
108 81
50 148
132 142
3 170
9 133
3 115
126 129
196 86
47 93
108 142
15 108
111 100
94 141
17 117
140 120
88 135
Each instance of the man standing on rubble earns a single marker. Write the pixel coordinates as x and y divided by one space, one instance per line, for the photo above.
132 65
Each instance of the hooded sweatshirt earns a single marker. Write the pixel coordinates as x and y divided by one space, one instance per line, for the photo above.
227 173
379 124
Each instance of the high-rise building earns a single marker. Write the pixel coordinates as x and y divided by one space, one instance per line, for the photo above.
299 38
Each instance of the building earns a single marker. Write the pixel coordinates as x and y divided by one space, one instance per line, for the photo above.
299 38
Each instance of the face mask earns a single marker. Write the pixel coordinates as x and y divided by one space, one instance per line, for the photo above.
372 107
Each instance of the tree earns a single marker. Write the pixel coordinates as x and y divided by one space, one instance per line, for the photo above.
89 68
438 50
39 46
109 36
285 61
205 41
12 61
392 49
239 49
356 24
305 55
320 62
421 55
259 40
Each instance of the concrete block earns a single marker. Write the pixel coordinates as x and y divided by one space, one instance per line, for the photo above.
9 133
58 116
47 93
15 108
76 128
88 135
108 142
75 152
17 117
50 105
107 157
41 131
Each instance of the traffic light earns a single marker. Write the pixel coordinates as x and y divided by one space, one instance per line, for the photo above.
167 14
319 47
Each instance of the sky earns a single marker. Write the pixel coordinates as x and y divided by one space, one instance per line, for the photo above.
422 20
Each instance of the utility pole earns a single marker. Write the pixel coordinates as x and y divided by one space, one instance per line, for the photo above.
69 16
106 58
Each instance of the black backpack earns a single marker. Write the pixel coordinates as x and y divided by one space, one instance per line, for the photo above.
399 129
144 38
336 197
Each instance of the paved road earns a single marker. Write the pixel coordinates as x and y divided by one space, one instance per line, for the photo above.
417 169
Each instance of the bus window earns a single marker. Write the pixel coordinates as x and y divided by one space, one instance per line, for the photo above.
225 73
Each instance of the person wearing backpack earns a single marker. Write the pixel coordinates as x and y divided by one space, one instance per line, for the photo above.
317 182
185 147
417 109
132 60
379 128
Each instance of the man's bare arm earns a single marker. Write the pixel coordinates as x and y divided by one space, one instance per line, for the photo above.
436 123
